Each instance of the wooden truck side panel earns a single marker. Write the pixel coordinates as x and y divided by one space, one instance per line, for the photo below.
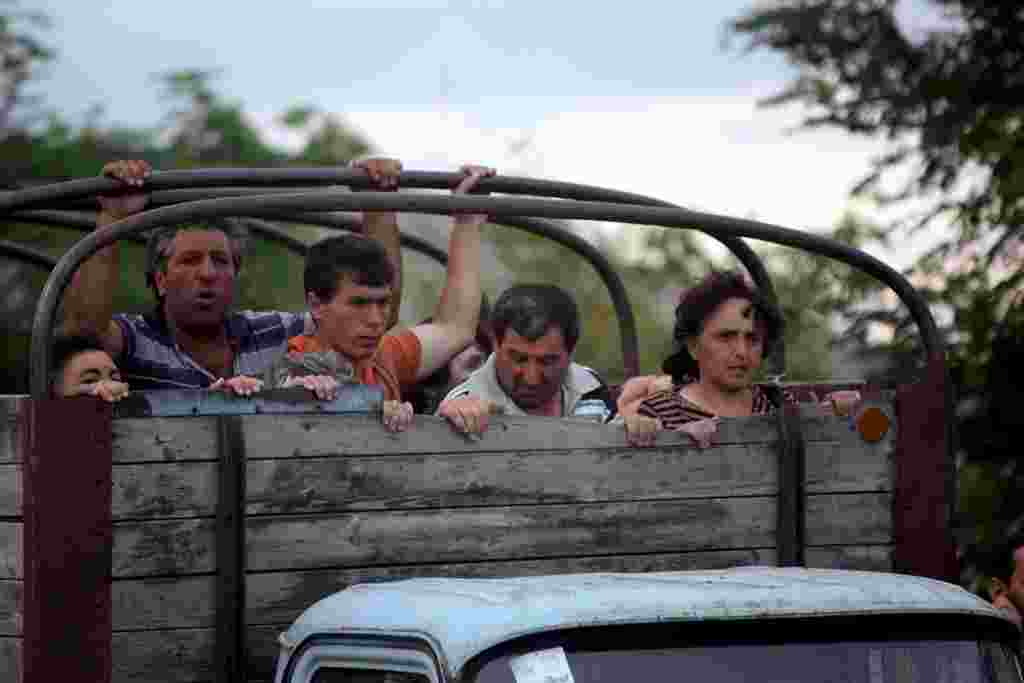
331 500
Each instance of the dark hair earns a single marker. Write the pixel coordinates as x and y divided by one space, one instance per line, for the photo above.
359 257
67 347
158 246
428 393
700 302
1000 561
530 310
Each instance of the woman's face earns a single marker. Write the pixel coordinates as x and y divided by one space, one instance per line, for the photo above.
462 365
730 346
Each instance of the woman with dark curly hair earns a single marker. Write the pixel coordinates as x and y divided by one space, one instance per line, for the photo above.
724 328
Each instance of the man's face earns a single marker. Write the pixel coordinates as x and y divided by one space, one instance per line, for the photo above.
83 371
353 322
730 347
198 286
531 372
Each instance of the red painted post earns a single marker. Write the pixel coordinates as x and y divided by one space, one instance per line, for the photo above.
923 499
66 482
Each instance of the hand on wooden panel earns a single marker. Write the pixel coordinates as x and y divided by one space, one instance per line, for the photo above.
238 386
397 416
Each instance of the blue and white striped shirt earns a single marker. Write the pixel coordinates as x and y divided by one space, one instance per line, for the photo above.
152 360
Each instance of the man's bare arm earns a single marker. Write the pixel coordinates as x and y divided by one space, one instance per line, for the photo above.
458 310
89 300
383 225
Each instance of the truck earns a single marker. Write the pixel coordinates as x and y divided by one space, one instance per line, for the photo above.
177 535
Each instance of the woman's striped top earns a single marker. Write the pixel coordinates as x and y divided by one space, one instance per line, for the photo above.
674 410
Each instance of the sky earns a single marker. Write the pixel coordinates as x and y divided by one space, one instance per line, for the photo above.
640 96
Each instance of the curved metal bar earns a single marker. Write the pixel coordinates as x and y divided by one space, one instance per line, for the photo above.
498 207
86 223
263 177
27 254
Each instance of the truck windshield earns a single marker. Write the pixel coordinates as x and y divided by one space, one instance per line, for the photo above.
900 661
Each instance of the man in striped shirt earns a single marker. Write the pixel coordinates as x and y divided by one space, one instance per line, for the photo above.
192 339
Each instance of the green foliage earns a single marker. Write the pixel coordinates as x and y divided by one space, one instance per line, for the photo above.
206 130
22 56
949 102
330 142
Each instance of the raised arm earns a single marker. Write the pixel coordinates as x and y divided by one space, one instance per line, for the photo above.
383 225
89 301
458 310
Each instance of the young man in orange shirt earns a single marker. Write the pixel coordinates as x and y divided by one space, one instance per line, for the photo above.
350 288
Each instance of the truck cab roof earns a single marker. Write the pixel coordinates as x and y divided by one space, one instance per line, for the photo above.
463 617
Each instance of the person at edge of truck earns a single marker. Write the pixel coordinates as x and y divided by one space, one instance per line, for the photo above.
1006 577
193 339
535 328
724 328
82 368
349 284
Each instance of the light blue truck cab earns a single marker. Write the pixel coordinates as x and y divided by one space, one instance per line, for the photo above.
743 624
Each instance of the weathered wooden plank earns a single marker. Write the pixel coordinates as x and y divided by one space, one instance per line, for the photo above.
875 558
849 519
11 548
11 426
499 479
520 532
10 607
163 548
847 467
279 597
180 489
10 659
10 490
161 603
522 477
187 489
173 656
269 436
189 602
146 604
186 546
163 439
148 490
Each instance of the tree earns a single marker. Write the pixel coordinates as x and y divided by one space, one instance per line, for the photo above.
947 100
329 142
205 129
22 54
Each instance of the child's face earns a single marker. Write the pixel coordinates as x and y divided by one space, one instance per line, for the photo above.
84 371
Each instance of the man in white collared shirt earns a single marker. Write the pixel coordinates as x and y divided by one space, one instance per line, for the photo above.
531 372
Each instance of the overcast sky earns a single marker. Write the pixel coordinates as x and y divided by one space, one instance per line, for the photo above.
639 96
